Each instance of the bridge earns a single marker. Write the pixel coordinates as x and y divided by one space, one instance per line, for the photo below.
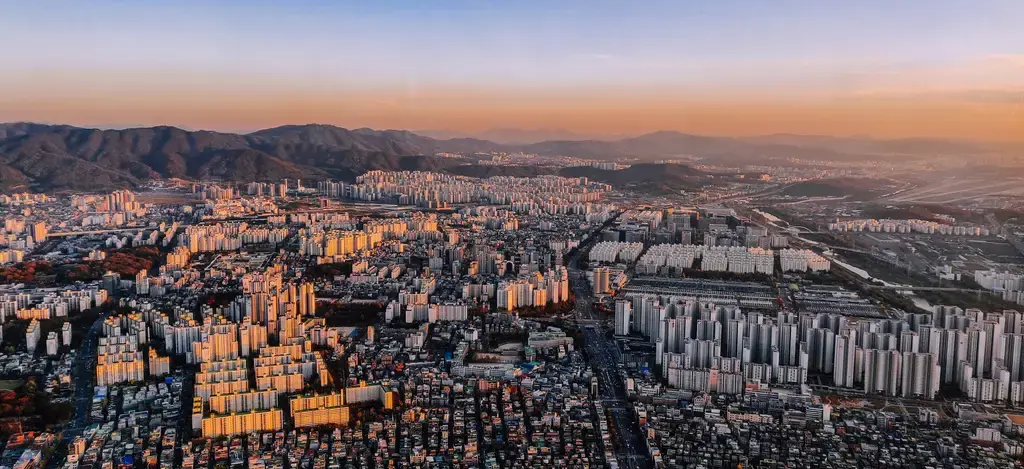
62 234
841 248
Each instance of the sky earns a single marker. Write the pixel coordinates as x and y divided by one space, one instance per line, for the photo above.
885 68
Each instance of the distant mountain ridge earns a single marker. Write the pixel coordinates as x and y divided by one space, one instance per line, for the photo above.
900 146
60 157
509 136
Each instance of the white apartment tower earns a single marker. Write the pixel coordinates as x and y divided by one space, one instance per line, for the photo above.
623 315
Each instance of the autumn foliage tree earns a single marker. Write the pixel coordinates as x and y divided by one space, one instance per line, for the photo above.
127 262
23 272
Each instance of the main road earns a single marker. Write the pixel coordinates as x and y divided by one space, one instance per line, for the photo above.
83 372
631 449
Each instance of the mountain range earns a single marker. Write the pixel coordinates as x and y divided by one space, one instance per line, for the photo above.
59 157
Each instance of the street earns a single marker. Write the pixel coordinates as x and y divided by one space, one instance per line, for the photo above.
603 354
85 364
82 376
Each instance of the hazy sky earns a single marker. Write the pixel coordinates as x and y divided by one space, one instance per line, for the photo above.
881 67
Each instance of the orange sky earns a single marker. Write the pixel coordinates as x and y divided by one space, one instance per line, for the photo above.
982 99
984 115
937 68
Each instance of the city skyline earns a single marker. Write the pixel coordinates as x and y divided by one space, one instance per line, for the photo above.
491 234
945 69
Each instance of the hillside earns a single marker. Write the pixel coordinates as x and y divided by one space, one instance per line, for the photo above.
41 157
646 177
54 157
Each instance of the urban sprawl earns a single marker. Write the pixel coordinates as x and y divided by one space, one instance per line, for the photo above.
416 319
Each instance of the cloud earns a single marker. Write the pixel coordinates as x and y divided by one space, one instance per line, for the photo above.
596 56
992 79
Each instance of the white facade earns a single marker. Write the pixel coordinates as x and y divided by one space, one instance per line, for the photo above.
623 314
